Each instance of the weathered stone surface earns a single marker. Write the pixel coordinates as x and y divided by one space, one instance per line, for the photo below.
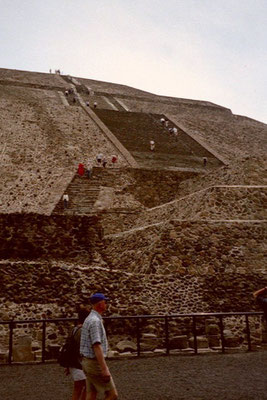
34 236
212 329
232 341
149 345
113 353
202 342
22 353
214 340
178 342
3 356
24 340
126 345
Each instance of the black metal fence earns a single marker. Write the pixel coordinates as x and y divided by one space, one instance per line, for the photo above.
138 328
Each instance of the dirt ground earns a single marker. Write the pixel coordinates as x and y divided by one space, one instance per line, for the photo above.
204 377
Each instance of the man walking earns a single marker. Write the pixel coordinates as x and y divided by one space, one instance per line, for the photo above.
93 348
65 200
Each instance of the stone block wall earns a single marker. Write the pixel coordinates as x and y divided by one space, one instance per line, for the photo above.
194 247
154 187
31 290
34 236
217 202
53 289
48 290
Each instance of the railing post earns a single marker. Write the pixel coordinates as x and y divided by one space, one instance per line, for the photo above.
10 345
195 333
43 340
138 336
221 330
248 333
167 335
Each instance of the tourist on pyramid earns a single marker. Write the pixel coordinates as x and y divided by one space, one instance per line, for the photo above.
99 158
81 169
162 121
95 104
89 169
75 370
104 162
152 145
114 159
175 132
261 298
205 160
94 348
65 200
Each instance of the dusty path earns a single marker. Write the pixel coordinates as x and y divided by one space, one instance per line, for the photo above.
204 377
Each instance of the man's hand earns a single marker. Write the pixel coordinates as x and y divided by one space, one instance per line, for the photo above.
106 375
66 371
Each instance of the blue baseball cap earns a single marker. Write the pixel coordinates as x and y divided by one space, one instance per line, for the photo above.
95 298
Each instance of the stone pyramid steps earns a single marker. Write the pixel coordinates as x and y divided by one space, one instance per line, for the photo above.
83 192
135 130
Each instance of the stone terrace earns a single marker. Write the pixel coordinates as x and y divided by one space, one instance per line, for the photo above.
206 246
217 202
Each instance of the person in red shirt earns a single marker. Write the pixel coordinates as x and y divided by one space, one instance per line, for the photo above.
114 159
81 169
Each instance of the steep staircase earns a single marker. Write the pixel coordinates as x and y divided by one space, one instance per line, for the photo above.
135 130
83 192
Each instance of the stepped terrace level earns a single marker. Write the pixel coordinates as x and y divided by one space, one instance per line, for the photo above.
135 131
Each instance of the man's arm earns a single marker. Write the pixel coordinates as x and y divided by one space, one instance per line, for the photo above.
260 291
101 361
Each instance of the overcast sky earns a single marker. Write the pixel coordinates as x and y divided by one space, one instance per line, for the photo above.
214 50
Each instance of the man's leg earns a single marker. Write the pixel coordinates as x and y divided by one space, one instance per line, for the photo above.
91 395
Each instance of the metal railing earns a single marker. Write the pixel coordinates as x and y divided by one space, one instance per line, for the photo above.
138 329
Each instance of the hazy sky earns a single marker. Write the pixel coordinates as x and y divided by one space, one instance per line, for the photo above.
214 50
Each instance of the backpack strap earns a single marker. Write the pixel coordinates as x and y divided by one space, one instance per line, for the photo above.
75 330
